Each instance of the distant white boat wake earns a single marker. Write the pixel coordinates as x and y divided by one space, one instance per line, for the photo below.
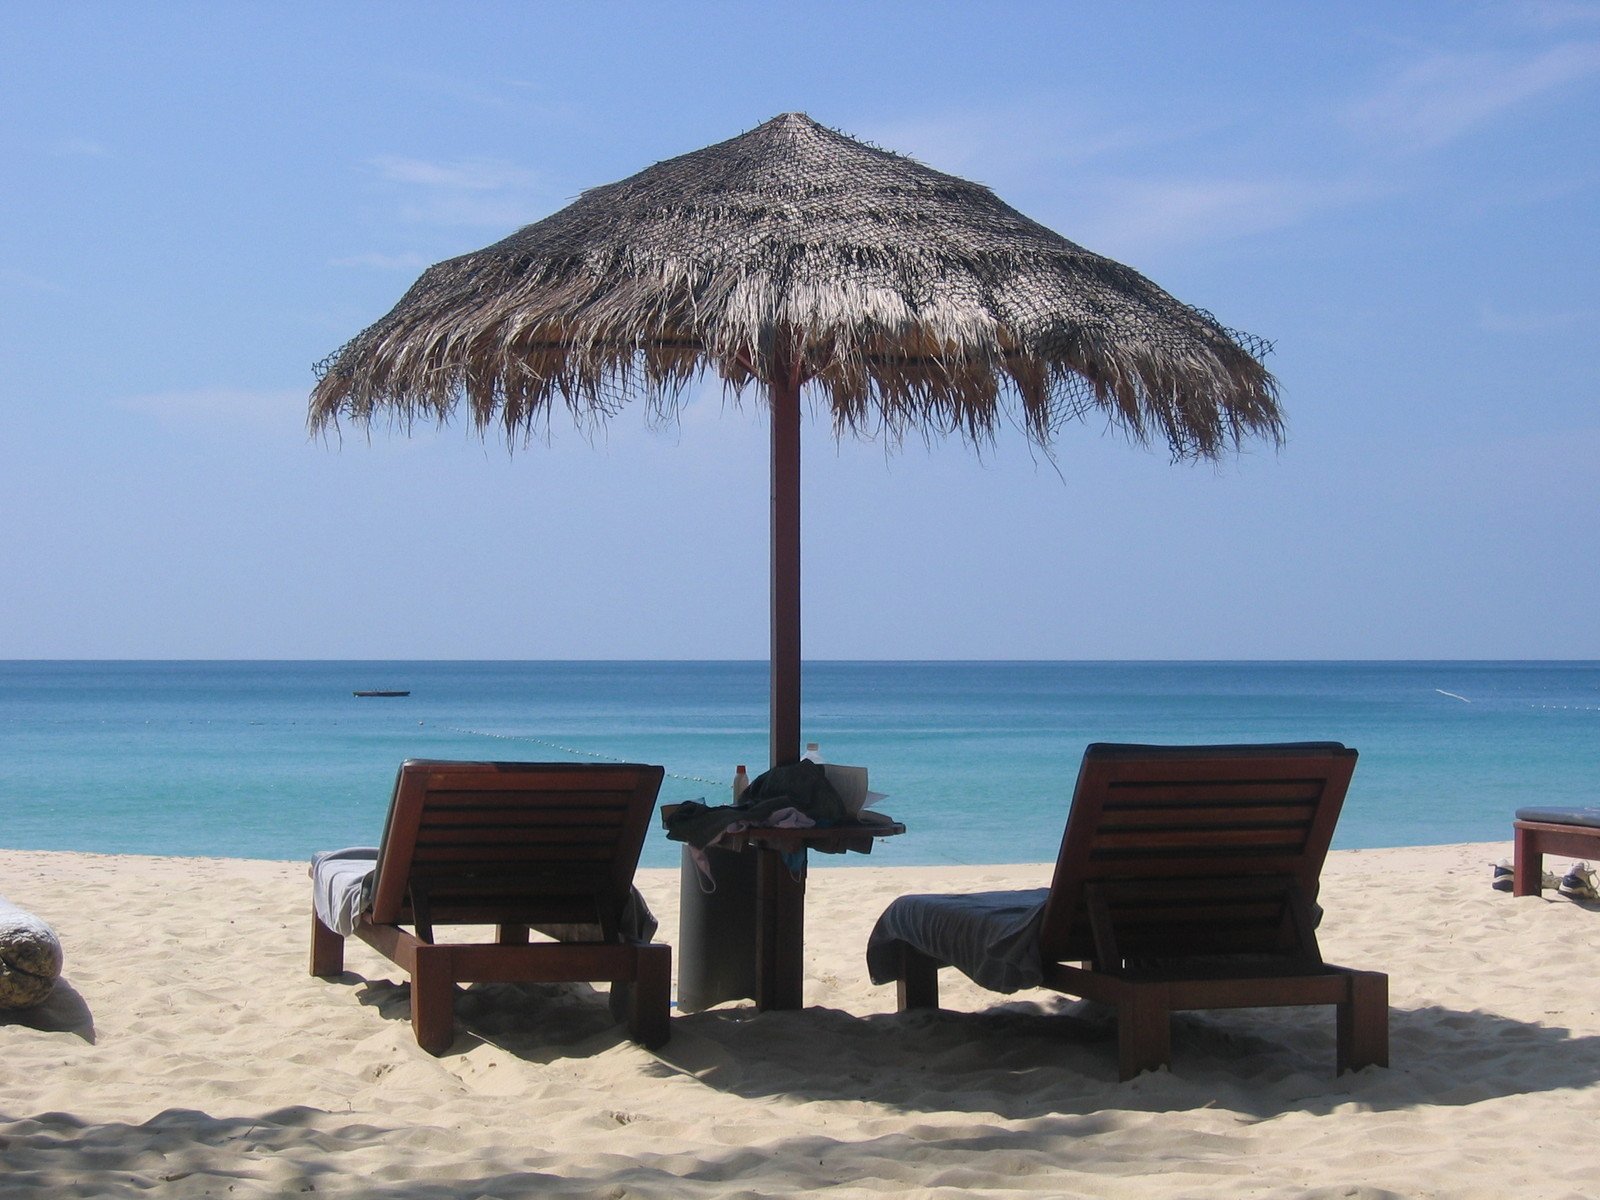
1452 695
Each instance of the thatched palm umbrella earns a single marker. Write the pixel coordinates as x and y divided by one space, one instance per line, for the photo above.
909 299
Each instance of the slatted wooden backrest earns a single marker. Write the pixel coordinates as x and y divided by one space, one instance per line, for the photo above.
513 843
1193 847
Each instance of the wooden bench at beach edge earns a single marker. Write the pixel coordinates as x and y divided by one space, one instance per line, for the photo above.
1571 832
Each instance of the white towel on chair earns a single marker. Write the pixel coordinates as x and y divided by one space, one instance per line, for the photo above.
341 885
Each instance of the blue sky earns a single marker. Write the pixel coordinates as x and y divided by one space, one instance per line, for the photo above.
198 202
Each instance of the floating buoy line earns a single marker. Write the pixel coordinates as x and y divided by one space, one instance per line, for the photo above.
538 741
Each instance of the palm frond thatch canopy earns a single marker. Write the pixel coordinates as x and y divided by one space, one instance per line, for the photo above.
913 300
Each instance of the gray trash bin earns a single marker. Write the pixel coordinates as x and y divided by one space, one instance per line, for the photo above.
717 930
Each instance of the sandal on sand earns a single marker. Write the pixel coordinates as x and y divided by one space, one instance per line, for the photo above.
1578 883
1505 878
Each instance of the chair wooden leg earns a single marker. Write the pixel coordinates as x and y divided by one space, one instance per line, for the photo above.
1144 1032
1363 1029
433 999
650 1001
327 949
918 985
1527 869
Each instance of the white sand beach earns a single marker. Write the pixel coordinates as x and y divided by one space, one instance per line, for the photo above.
188 1052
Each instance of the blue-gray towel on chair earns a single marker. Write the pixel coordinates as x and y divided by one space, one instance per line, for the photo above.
1589 817
990 937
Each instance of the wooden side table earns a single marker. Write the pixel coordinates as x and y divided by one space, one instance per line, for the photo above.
780 898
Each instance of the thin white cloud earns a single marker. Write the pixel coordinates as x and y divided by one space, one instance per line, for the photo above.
383 262
1493 320
33 283
1098 203
472 192
80 148
503 213
1446 96
1557 13
955 144
511 95
1008 140
470 175
220 407
1133 219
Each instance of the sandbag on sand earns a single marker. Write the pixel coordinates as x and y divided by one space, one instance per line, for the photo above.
30 957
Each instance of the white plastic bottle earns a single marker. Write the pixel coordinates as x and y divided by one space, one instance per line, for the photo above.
741 780
812 753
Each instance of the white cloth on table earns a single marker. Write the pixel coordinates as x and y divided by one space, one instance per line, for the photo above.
990 937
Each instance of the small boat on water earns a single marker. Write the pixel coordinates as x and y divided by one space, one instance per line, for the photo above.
380 693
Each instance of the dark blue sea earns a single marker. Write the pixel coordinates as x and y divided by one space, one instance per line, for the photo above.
278 759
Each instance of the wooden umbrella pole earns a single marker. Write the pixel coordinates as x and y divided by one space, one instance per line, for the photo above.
780 890
785 478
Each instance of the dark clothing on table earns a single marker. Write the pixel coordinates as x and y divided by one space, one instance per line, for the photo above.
802 786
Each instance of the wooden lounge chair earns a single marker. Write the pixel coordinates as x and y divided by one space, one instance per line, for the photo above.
545 846
1186 880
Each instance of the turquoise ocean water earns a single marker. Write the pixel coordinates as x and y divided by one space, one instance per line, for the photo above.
277 759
